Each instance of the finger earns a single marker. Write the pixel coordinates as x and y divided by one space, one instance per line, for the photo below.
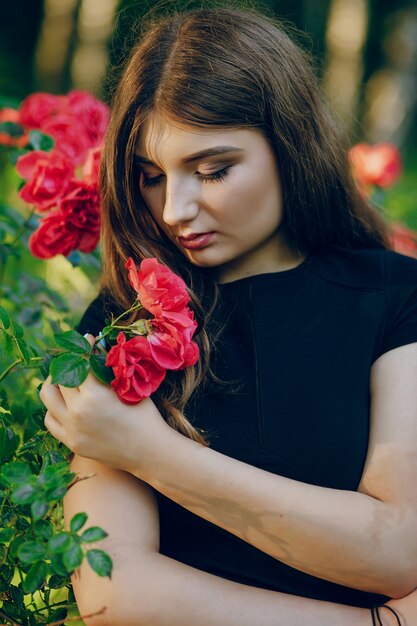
52 398
54 427
90 338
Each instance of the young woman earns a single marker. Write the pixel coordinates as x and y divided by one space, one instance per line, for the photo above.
274 481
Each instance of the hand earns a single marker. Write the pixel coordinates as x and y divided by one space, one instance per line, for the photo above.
92 422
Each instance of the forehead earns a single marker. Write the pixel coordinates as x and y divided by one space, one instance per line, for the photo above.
163 140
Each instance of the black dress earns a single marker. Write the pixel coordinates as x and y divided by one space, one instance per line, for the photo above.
301 342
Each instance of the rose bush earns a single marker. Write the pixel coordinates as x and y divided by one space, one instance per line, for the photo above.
37 555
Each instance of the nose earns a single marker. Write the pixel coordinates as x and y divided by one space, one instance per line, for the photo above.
180 204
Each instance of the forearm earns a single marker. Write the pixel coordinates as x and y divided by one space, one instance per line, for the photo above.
340 536
175 594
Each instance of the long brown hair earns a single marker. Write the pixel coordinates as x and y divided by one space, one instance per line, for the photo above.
229 67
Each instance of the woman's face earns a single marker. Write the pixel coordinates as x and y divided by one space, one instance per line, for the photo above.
234 193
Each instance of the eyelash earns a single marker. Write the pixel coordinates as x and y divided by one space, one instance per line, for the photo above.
208 178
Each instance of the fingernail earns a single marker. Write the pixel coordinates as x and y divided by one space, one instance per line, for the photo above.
102 341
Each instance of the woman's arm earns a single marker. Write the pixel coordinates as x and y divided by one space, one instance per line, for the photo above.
150 589
363 539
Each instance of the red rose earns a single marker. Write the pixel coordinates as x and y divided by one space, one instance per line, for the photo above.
58 235
170 341
75 225
54 236
70 136
80 204
379 164
38 107
11 115
47 175
136 373
159 289
92 165
93 114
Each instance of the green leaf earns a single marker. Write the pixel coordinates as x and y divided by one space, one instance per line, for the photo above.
6 534
17 329
4 317
16 472
7 343
57 582
38 508
43 529
52 457
57 565
40 141
23 347
17 596
57 615
31 551
73 341
73 556
100 562
100 370
95 533
58 543
6 574
12 129
22 523
9 443
52 471
78 521
68 370
23 494
3 554
35 577
15 545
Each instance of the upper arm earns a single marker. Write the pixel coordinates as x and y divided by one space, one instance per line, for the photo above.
390 472
126 508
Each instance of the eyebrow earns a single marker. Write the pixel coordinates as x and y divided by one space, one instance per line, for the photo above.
197 155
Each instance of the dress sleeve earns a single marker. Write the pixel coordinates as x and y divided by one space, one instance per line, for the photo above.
401 301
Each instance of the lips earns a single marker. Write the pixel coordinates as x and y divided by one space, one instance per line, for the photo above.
194 236
196 242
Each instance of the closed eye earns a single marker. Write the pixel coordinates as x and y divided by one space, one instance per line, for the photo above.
217 176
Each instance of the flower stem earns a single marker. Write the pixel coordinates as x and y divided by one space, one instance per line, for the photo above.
9 369
16 362
135 307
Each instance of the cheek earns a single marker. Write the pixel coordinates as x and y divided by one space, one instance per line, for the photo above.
252 194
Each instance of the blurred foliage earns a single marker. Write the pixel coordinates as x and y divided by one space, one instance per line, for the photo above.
37 556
